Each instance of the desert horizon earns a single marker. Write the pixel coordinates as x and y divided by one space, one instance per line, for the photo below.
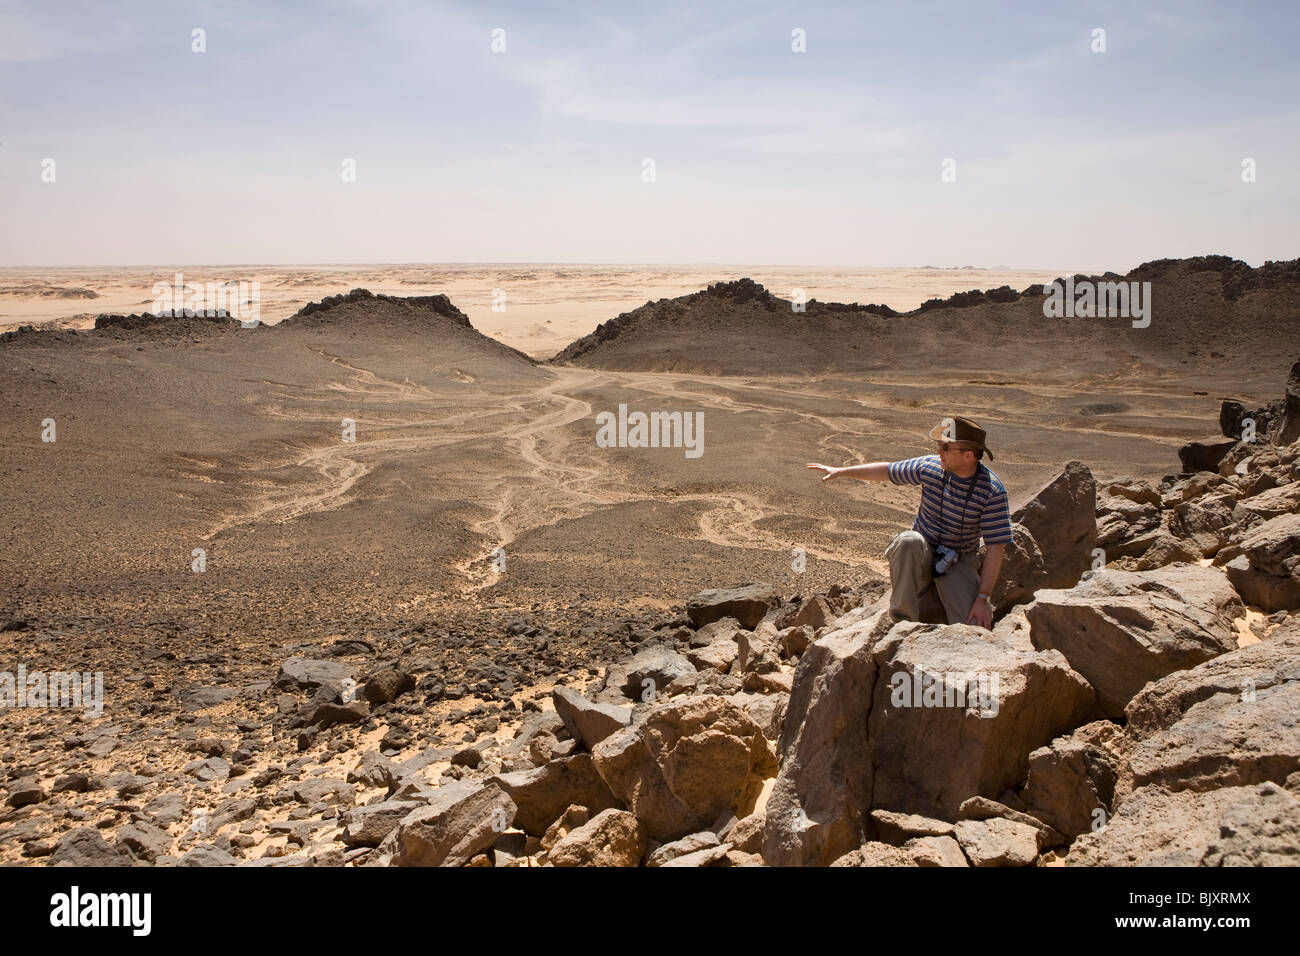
540 313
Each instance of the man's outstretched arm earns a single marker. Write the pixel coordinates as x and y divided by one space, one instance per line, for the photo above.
876 471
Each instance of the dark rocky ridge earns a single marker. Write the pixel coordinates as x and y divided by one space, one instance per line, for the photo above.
1205 309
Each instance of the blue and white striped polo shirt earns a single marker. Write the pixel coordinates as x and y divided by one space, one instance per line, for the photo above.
986 515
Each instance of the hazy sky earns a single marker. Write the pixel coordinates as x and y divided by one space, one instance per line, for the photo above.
1064 157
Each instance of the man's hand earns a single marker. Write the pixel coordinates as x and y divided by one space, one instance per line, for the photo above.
876 471
981 615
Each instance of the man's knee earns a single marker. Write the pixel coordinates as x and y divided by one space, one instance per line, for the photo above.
909 543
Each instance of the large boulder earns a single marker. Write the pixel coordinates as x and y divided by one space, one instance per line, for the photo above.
587 722
1123 629
913 718
1072 780
815 812
1246 826
1120 519
85 847
1204 455
1264 566
460 819
368 825
685 763
746 604
1055 530
930 753
302 673
651 671
1228 722
542 794
1269 503
610 838
1206 522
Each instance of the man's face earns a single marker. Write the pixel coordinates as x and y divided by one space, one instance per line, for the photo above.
955 456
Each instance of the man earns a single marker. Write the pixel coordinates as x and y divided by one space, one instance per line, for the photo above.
962 500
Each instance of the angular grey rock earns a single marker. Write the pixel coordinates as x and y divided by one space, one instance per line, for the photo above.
897 829
1137 490
209 856
692 843
657 665
373 770
747 604
144 840
166 809
725 628
1164 549
368 825
547 722
588 723
1123 629
301 673
709 856
85 847
461 819
541 795
200 698
323 790
1207 523
719 655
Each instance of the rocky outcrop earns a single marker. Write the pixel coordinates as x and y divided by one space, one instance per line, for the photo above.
1121 630
1228 722
911 718
1243 826
1264 565
1055 530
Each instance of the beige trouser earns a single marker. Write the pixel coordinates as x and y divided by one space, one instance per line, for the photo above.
911 571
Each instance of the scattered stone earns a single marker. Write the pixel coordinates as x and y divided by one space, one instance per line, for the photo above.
746 604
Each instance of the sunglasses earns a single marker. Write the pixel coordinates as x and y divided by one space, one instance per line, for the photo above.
954 446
